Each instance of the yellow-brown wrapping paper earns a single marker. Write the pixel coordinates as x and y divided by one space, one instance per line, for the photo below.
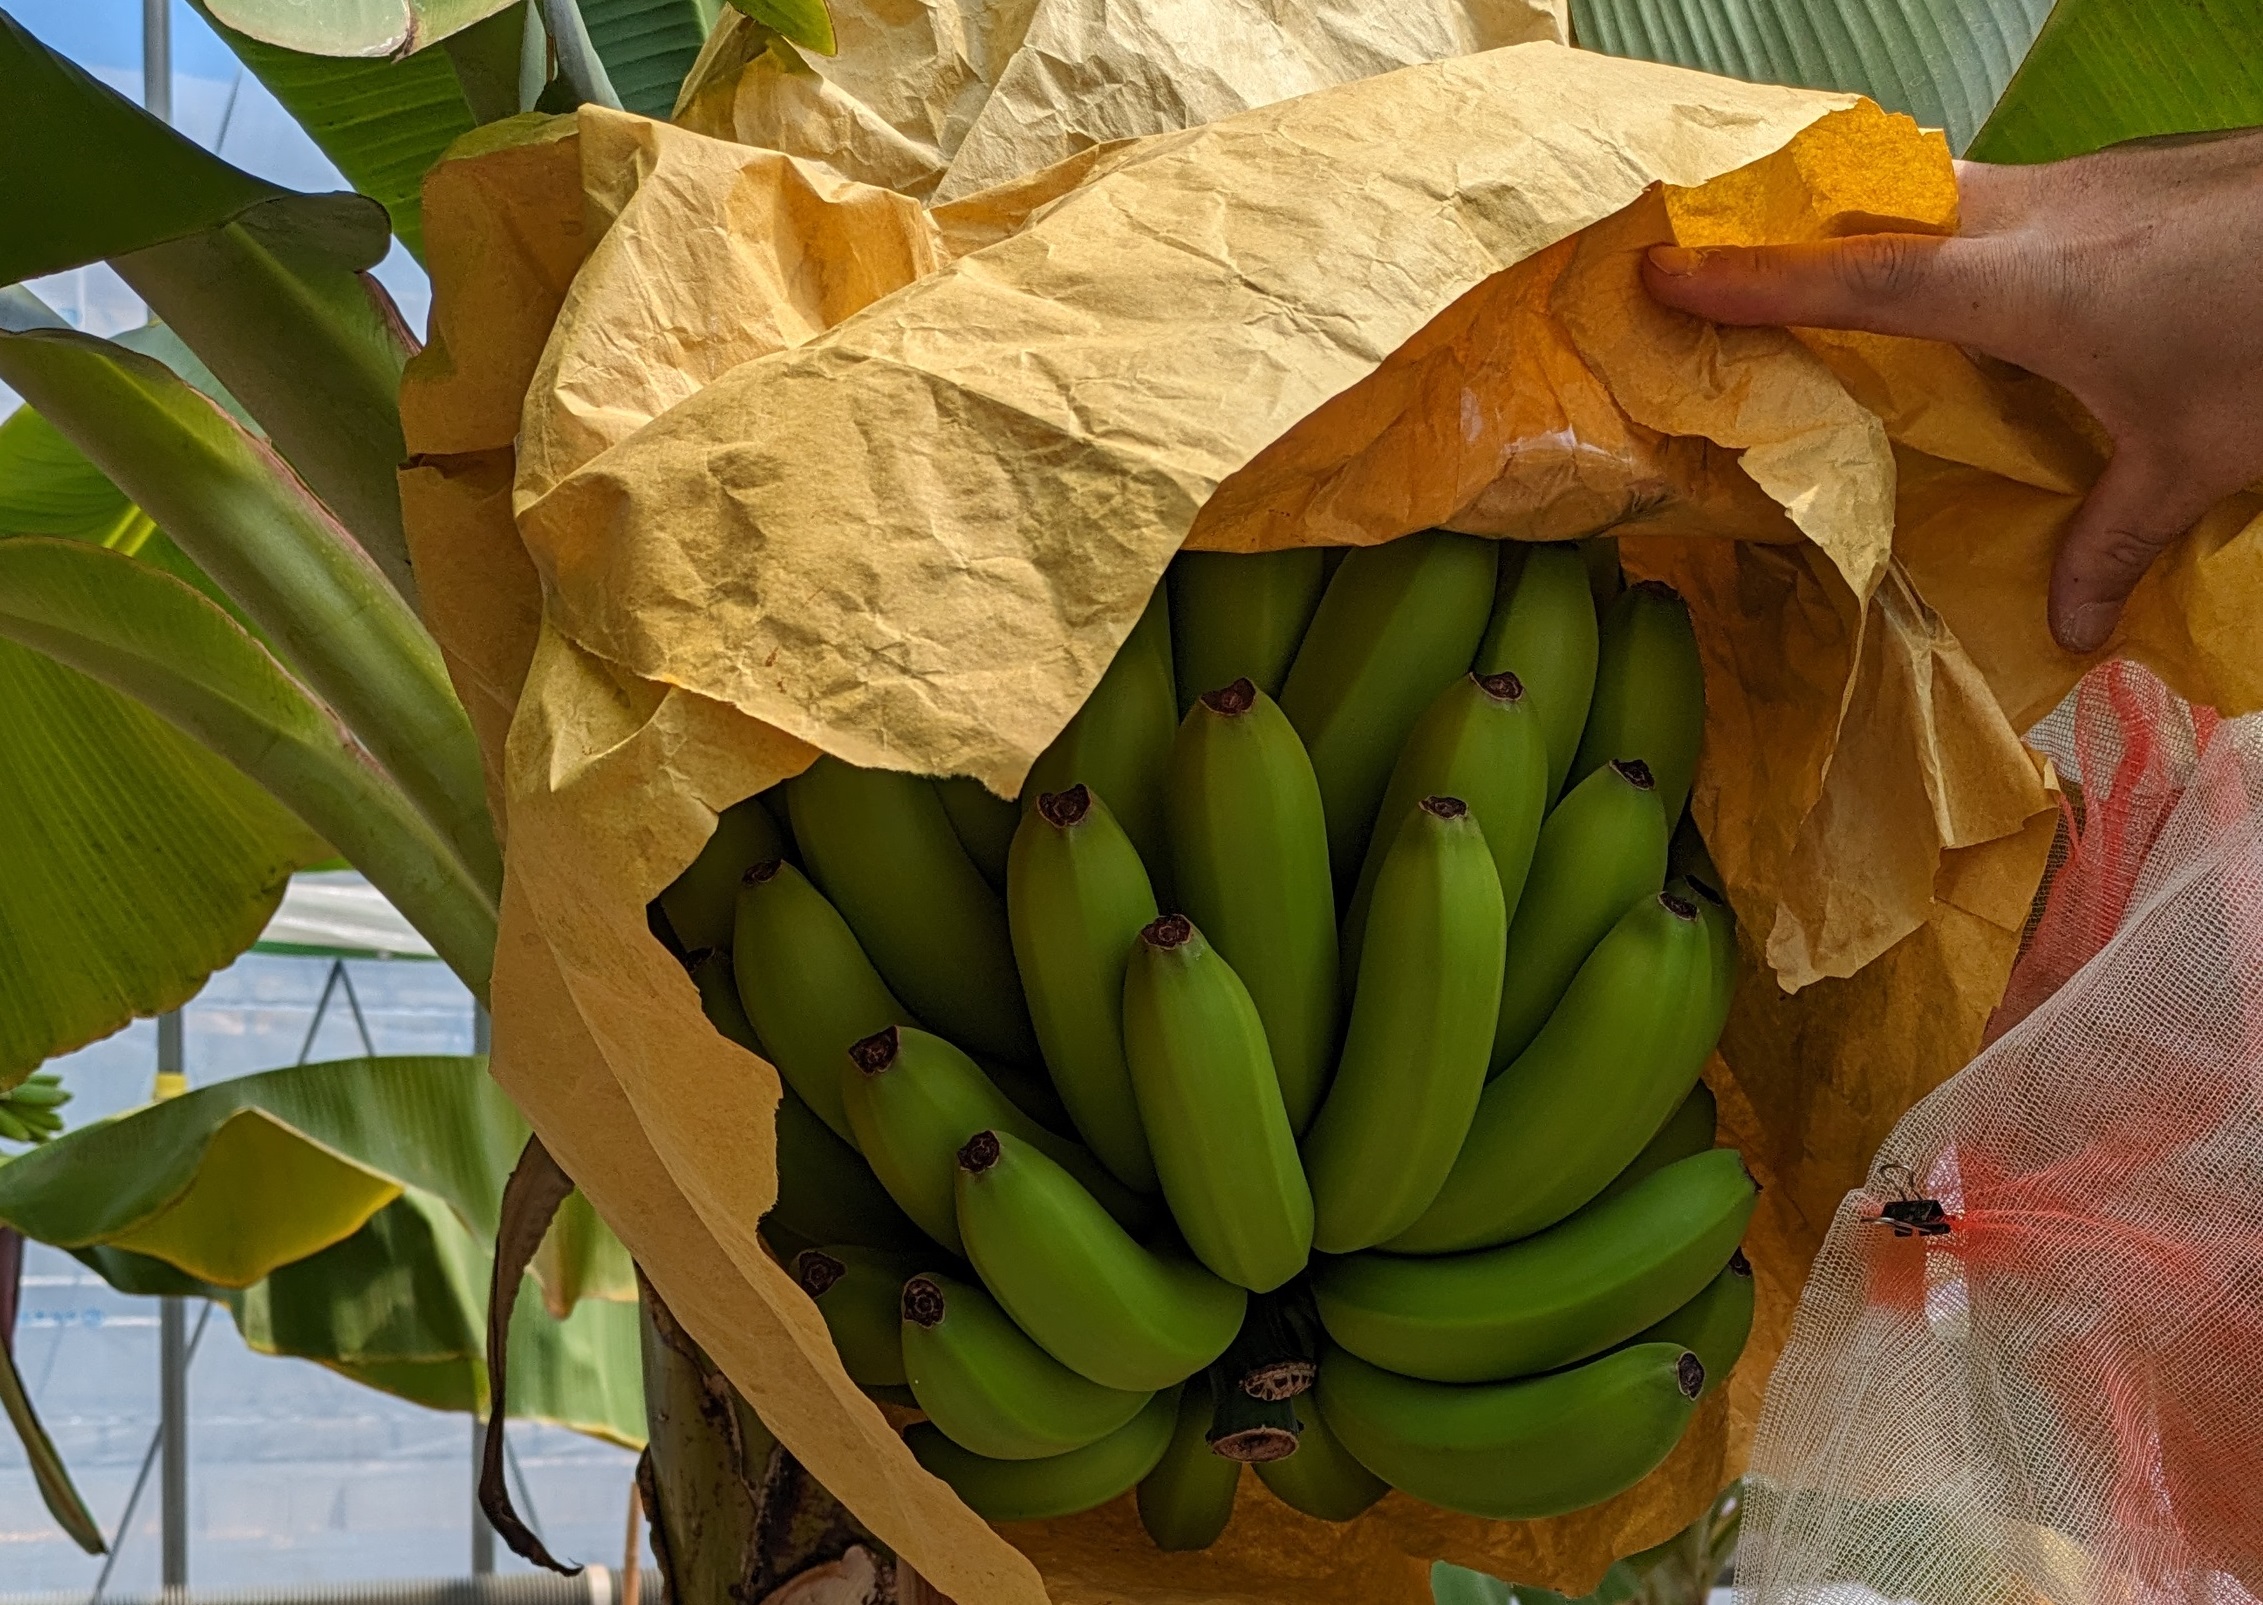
726 455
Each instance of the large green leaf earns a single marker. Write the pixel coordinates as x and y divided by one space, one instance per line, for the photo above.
1942 61
372 28
250 524
648 46
2102 71
802 22
155 639
383 121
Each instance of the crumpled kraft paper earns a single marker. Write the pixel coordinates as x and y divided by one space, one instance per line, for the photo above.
688 631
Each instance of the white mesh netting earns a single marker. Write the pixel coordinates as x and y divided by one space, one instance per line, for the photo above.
2055 1392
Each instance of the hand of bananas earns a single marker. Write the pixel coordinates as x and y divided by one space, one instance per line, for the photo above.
32 1110
1303 1073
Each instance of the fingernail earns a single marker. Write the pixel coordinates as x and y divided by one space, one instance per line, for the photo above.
2084 629
1676 261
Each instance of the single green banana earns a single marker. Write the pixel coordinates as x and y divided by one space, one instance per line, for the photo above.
1241 616
1600 853
13 1128
1688 1130
42 1123
1076 897
983 822
41 1091
1520 1450
1399 623
1321 1479
716 975
881 848
1482 742
1712 1011
1543 631
1059 1485
1119 743
1076 1281
1421 1025
1212 1109
1188 1499
1612 1063
826 1192
913 1099
1688 854
992 1390
1574 1290
857 1290
702 903
807 987
1649 693
1249 845
1715 1325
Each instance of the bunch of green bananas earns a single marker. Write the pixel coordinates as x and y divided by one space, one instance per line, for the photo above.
31 1111
1303 1073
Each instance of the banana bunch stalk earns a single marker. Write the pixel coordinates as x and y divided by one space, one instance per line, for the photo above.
1303 1072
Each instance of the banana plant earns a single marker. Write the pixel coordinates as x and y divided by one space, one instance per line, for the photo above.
207 615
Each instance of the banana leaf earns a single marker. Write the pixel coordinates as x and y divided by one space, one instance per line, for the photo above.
368 28
47 1469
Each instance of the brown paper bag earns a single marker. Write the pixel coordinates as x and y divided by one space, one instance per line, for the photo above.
803 464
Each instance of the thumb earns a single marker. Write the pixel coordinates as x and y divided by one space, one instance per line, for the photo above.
2139 507
1930 286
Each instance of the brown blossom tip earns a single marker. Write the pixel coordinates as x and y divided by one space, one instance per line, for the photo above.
1445 807
876 1052
1061 809
923 1302
1711 893
1738 1264
1239 697
1281 1379
761 872
1681 910
1502 687
1255 1445
1635 773
1172 930
1689 1371
980 1153
817 1271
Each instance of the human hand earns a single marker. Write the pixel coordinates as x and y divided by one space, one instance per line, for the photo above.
2134 278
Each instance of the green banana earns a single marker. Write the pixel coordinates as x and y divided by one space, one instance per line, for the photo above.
1543 631
988 1386
913 1099
1712 1012
1240 616
1188 1499
1515 1450
1076 897
1482 742
1601 852
1688 855
1612 1063
857 1290
716 975
1688 1130
43 1090
826 1192
1399 623
1605 578
1076 1281
1714 1325
1249 847
1321 1479
1059 1485
1574 1290
1212 1109
41 1123
807 987
881 848
1119 743
1422 1022
702 902
983 822
13 1128
1649 693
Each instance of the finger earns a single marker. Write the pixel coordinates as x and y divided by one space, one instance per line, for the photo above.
2140 506
1916 284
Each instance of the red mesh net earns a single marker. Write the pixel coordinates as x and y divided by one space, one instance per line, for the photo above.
2028 1363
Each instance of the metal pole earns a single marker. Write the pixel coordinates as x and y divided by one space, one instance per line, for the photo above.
157 58
173 1407
482 1535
